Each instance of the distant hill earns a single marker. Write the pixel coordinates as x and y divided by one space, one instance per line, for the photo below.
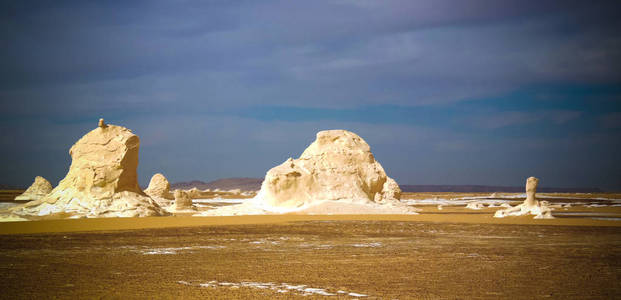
11 187
244 184
490 189
254 184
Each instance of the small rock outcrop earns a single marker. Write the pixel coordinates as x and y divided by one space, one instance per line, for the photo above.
159 187
37 190
102 179
195 193
337 166
182 201
540 209
476 205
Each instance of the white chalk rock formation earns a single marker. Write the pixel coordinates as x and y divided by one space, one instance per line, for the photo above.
540 209
102 179
183 202
37 190
195 193
338 165
159 187
476 205
336 174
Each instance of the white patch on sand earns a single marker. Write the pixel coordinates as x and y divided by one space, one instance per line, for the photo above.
159 251
255 206
281 288
476 205
456 201
5 205
367 245
607 219
219 200
12 218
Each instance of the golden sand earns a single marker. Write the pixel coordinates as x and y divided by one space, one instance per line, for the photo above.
107 224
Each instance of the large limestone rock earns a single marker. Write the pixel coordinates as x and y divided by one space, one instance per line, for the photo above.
102 179
37 190
337 166
159 187
531 205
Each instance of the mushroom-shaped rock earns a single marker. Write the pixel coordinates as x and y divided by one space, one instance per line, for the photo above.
338 165
102 179
159 187
540 209
37 190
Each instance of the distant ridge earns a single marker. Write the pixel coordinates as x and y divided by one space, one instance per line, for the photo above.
254 184
244 184
490 189
11 187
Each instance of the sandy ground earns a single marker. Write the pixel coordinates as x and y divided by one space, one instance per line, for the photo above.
429 214
445 253
383 259
9 195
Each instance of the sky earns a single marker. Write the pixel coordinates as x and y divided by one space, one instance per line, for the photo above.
445 92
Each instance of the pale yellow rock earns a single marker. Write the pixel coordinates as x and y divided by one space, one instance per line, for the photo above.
37 190
476 205
540 209
338 165
182 201
102 179
195 193
159 187
11 218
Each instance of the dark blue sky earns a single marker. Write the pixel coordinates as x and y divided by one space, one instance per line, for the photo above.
445 92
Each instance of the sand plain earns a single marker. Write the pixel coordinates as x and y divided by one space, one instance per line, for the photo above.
381 259
445 253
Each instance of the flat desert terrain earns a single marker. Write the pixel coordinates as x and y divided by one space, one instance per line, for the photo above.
446 253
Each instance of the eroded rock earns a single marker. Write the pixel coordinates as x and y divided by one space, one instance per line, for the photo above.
102 179
183 201
37 190
337 166
540 209
159 187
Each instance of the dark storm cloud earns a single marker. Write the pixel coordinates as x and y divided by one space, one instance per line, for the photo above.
452 75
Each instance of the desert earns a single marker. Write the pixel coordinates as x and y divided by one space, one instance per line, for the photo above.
314 223
331 149
291 256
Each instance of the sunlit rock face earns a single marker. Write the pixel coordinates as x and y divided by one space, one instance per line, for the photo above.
159 187
540 209
37 190
102 179
337 166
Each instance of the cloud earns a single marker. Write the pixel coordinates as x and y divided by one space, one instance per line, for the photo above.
222 88
496 120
